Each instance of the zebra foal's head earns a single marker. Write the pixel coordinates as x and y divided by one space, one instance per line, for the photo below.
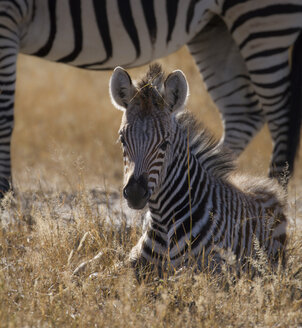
147 128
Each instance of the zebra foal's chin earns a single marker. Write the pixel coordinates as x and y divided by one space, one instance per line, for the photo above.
199 212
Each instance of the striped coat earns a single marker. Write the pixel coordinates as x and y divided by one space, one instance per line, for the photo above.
198 209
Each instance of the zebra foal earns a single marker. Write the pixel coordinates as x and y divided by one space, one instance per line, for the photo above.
196 210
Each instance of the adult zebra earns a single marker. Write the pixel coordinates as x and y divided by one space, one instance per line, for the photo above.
241 48
196 210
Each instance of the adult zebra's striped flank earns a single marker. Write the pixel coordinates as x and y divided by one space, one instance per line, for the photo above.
240 47
196 210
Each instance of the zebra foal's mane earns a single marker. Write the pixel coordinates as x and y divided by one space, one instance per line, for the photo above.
153 78
211 155
219 161
150 88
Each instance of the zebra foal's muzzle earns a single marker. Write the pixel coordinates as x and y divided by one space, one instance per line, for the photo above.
136 192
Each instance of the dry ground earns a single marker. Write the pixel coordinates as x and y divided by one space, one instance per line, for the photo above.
67 209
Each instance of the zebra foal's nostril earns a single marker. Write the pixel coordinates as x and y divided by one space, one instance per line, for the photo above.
136 192
125 193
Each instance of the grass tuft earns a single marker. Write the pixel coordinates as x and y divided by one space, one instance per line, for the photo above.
41 283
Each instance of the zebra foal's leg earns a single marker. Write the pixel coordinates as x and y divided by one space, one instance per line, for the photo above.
227 80
9 44
142 268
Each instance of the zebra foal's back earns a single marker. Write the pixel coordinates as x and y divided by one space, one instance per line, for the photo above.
262 220
197 208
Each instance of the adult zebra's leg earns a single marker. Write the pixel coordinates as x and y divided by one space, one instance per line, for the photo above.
264 32
269 70
228 82
8 54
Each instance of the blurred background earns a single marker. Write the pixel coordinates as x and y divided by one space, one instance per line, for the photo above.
66 127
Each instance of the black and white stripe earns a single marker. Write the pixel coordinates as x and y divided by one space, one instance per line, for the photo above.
240 47
196 209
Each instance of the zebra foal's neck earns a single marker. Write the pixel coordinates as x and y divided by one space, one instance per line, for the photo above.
174 167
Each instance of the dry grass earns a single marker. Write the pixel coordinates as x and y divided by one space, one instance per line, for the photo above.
63 146
41 249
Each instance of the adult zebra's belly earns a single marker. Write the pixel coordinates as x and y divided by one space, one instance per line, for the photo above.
92 53
96 37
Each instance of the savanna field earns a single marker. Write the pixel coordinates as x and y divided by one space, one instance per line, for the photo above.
65 233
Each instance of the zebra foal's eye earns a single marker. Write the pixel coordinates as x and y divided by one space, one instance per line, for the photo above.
164 145
122 140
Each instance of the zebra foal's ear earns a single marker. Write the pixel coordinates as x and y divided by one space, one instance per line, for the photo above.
176 90
121 88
